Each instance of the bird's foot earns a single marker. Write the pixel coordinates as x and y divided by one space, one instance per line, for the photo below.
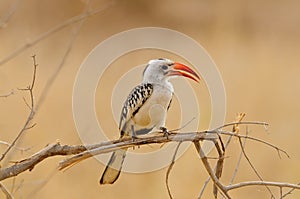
165 131
133 138
133 135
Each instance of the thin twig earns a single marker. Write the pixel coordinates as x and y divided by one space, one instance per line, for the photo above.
170 168
26 126
289 192
238 162
253 167
8 94
262 183
13 184
17 148
183 126
20 184
255 139
235 123
5 191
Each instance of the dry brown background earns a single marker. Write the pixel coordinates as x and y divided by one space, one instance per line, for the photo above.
256 45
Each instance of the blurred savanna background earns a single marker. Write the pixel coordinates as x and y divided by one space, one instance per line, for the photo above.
255 44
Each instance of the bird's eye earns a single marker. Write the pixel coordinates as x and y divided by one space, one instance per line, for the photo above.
164 67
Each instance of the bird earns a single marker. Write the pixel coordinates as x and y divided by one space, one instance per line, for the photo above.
145 109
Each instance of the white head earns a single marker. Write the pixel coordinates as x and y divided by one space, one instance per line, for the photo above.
161 70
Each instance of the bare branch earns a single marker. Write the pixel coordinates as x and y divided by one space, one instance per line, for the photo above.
128 143
31 162
31 114
82 152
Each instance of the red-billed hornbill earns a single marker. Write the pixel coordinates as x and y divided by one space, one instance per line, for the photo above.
146 107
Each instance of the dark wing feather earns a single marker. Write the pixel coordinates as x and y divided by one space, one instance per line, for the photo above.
137 97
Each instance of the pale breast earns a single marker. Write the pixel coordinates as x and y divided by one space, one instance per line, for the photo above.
153 112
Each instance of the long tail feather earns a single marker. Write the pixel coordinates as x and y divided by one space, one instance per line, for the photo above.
114 167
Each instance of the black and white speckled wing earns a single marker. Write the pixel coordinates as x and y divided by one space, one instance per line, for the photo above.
138 96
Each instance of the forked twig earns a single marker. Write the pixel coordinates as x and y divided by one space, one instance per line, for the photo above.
208 168
289 192
27 125
235 130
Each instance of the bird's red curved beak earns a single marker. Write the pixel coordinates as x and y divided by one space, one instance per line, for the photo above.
179 69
